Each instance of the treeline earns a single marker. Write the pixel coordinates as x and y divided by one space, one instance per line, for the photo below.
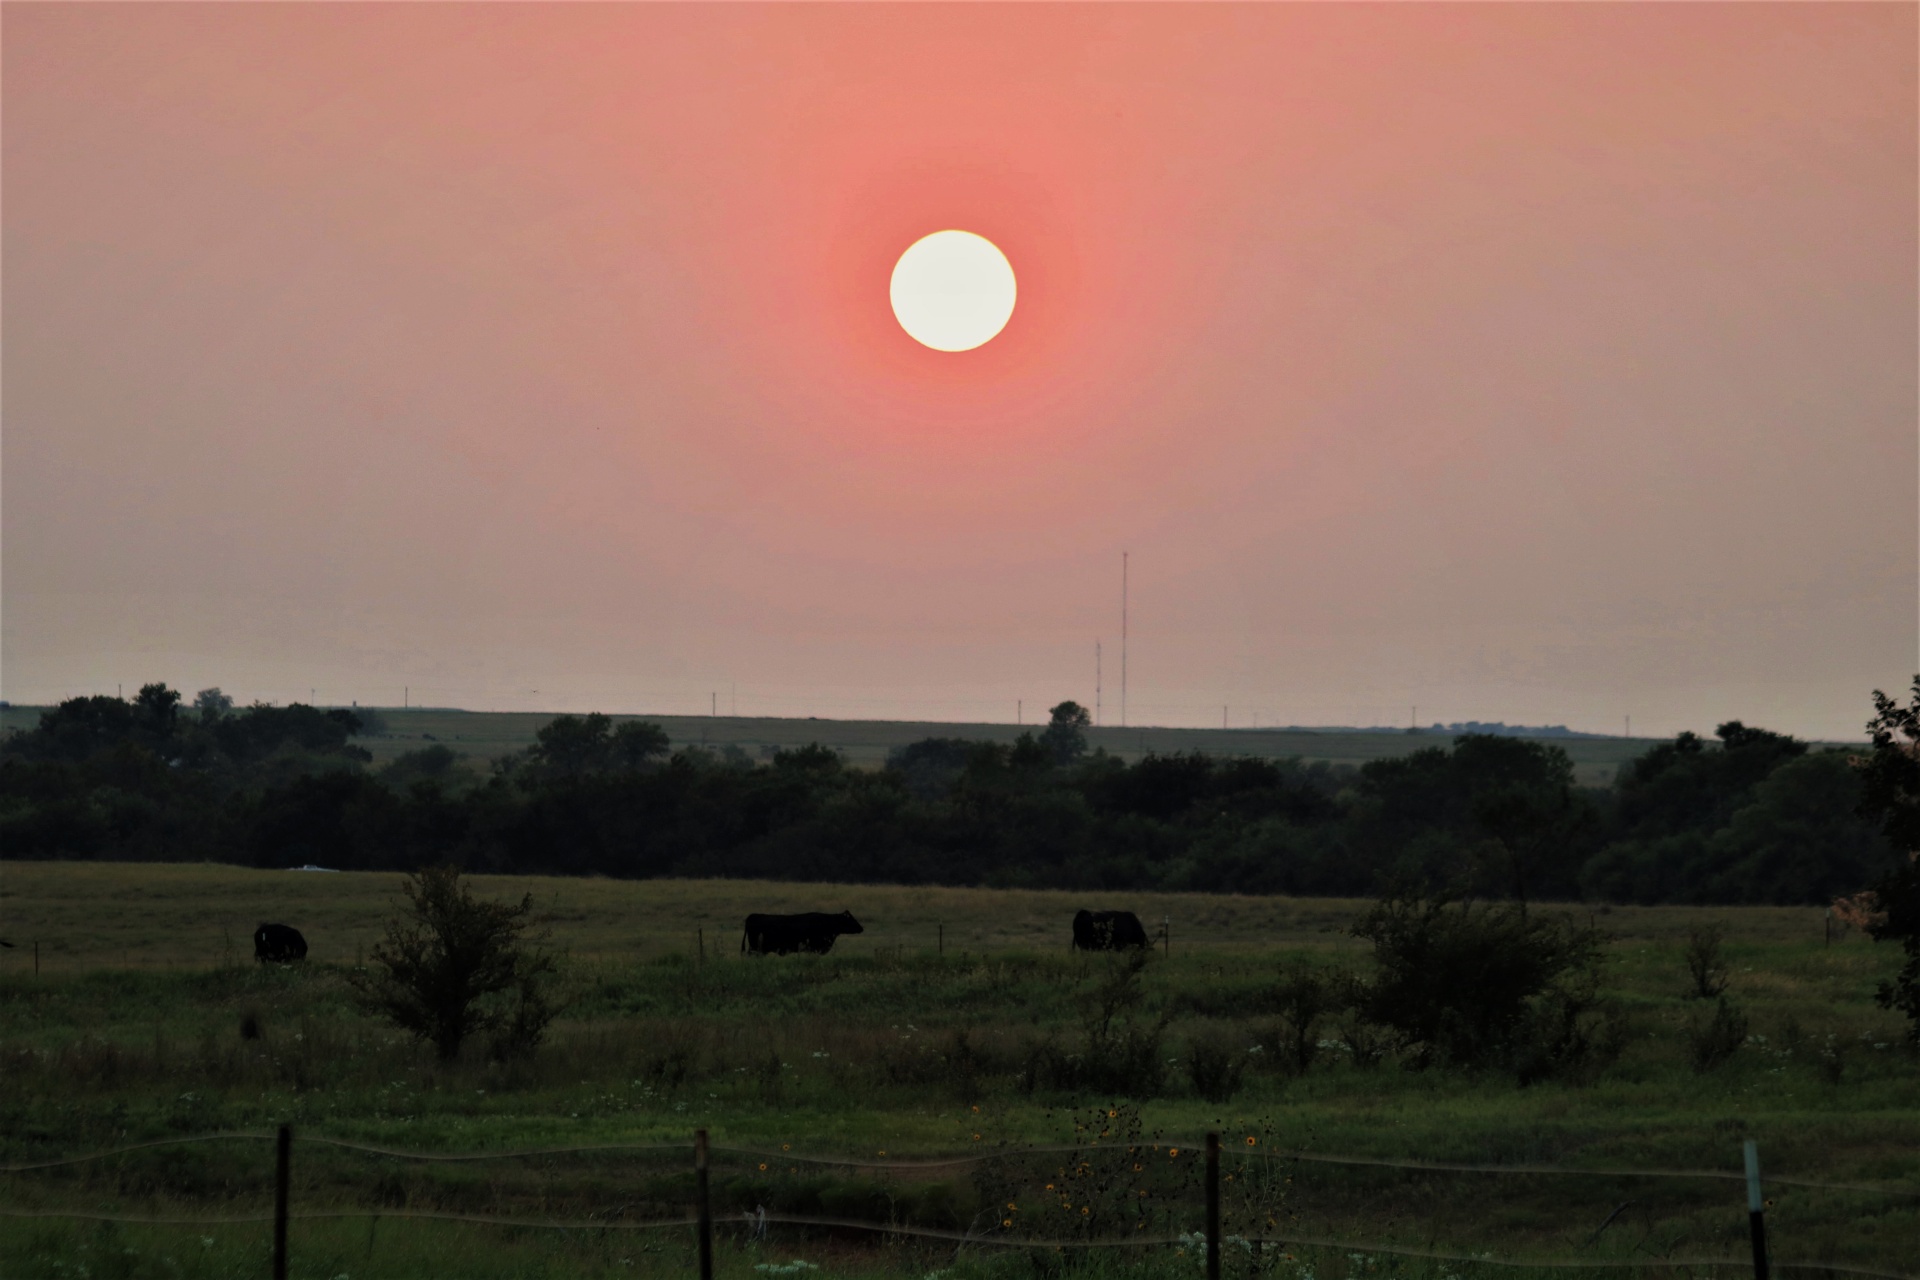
1754 817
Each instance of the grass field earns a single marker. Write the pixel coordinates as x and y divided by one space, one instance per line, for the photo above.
487 735
917 1037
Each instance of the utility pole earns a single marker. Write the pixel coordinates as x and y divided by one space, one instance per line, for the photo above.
1123 639
713 704
1223 717
406 696
1096 682
1629 726
1019 712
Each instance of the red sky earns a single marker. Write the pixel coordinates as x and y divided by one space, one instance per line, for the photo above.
1537 363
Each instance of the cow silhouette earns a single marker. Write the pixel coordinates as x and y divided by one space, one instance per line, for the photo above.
809 931
278 944
1107 931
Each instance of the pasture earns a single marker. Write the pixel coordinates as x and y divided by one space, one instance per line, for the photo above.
918 1037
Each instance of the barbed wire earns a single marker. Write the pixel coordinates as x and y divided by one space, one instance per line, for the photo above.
945 1234
944 1162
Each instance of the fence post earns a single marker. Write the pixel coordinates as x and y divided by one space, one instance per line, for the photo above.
941 946
1213 1206
702 1209
700 941
1166 935
1756 1208
36 957
282 1159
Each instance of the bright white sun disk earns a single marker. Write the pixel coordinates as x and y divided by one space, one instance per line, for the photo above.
952 290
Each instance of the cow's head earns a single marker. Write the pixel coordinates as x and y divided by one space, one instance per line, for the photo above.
847 924
1082 919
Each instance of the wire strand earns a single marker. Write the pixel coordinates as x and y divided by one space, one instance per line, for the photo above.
945 1162
938 1233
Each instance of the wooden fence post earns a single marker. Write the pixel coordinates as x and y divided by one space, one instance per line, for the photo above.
1213 1207
282 1160
1756 1211
702 1210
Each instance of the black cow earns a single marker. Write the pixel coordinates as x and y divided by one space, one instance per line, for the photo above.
279 943
1107 931
812 931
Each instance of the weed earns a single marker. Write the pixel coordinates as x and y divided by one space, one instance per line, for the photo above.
1705 965
1712 1041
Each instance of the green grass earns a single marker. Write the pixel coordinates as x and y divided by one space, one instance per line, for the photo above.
132 1031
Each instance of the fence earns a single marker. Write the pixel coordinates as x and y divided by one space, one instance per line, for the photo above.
1209 1240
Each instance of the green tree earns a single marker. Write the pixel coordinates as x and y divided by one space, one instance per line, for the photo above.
1891 796
1460 983
1065 737
211 704
451 966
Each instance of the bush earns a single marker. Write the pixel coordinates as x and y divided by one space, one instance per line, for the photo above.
1214 1065
1463 984
1123 1053
1711 1041
451 966
1304 996
1704 962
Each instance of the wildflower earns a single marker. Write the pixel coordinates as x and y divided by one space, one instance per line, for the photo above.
1251 1140
1173 1153
763 1167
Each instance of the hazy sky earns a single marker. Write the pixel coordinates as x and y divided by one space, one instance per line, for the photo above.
1537 363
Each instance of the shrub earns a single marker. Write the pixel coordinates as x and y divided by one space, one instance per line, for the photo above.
1461 983
1711 1041
1704 962
449 962
1304 996
1214 1065
1123 1054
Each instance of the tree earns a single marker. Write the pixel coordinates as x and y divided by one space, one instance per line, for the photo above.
211 704
449 963
1460 983
156 707
636 742
575 746
1065 737
1891 796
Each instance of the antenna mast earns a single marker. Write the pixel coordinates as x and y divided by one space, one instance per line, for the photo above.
1096 682
1123 639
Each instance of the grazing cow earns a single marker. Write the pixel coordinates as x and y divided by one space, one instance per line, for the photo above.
812 931
279 943
1107 931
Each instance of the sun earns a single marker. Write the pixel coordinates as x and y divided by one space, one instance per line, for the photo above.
952 290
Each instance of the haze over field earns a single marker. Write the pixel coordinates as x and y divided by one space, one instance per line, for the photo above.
1541 364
